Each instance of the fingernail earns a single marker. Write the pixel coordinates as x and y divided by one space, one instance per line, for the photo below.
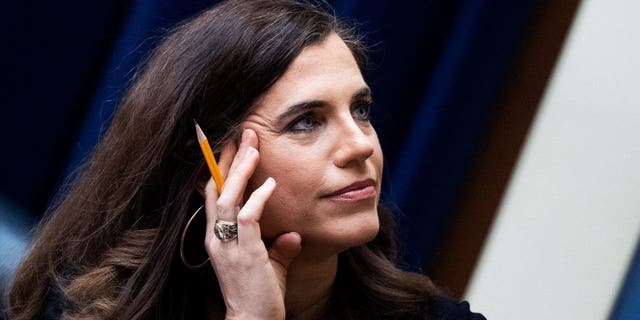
252 150
271 180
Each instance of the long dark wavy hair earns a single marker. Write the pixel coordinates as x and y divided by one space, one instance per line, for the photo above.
109 247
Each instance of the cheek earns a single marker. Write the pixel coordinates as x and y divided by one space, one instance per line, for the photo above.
287 168
293 166
297 180
289 208
284 212
377 157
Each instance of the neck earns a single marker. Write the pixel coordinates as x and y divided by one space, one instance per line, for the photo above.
309 283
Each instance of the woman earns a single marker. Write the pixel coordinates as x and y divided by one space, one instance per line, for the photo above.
277 86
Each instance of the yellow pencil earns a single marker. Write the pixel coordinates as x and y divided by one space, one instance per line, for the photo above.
209 158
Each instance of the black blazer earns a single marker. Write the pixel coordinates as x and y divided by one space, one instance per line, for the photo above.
443 308
438 308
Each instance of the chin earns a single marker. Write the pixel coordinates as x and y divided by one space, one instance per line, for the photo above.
327 236
360 232
369 232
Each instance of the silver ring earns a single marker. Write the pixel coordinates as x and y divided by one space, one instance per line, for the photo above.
225 230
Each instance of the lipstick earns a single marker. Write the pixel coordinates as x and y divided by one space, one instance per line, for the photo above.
357 191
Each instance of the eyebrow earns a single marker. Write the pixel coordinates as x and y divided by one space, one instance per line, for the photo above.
362 93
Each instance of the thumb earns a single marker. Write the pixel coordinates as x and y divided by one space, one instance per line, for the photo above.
285 248
282 251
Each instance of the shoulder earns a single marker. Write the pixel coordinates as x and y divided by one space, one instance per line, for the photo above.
444 308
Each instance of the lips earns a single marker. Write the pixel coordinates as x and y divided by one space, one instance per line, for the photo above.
359 190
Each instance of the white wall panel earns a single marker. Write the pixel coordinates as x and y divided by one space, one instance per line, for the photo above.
566 229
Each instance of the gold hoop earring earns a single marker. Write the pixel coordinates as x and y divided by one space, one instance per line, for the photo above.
182 240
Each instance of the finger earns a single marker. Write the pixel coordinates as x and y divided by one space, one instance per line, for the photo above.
210 202
283 250
226 157
213 213
249 215
249 139
227 213
281 253
241 170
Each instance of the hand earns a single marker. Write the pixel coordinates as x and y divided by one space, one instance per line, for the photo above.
252 278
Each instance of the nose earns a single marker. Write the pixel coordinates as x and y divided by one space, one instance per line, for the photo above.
354 144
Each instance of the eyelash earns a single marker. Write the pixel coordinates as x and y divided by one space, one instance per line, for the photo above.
367 108
311 115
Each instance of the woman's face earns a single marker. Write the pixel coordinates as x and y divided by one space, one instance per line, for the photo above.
316 141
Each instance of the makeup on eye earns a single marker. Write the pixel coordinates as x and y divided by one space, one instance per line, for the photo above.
363 94
362 110
297 109
304 123
311 119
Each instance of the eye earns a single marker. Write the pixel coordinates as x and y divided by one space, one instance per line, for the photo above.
304 123
362 111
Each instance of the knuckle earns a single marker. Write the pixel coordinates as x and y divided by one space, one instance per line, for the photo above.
244 219
257 251
218 255
209 245
232 260
209 190
227 210
223 205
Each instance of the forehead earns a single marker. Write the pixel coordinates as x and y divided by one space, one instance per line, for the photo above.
324 71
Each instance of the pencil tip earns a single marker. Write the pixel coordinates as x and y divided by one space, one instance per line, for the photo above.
199 133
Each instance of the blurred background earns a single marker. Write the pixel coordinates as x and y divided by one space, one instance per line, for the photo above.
511 132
